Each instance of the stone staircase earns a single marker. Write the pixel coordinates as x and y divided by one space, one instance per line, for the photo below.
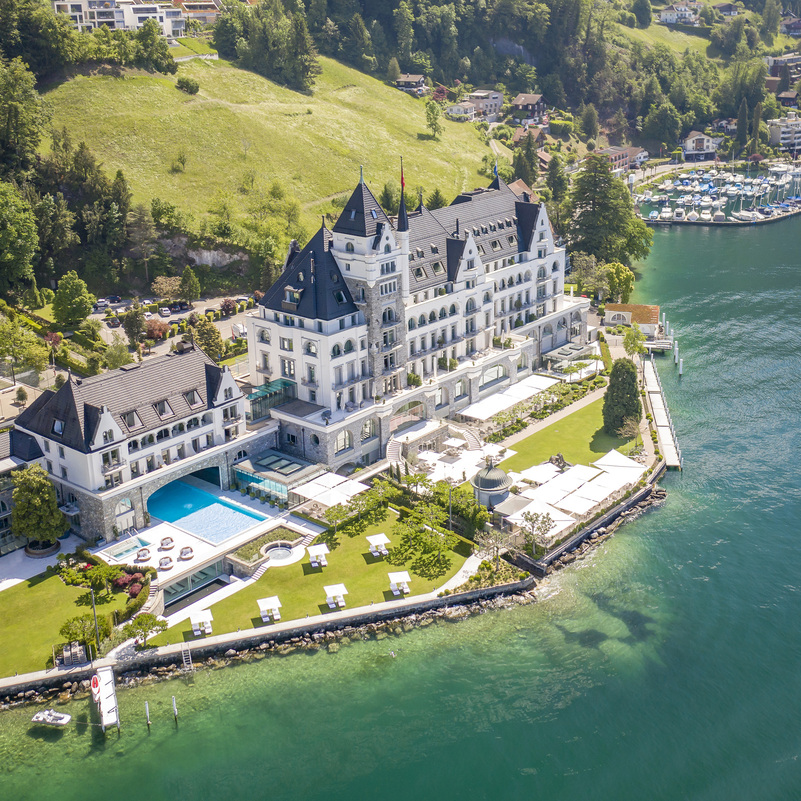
473 440
394 447
307 540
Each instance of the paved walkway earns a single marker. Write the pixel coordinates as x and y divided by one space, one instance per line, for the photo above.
17 567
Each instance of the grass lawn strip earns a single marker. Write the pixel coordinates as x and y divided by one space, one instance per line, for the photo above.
31 614
579 437
300 587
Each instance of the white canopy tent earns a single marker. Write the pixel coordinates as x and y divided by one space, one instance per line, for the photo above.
540 473
615 459
576 504
545 494
499 402
561 521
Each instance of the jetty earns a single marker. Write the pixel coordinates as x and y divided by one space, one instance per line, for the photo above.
666 434
106 698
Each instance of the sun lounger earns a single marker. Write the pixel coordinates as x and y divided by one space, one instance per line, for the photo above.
383 549
323 561
197 631
340 601
314 563
374 551
276 614
332 604
405 587
208 628
394 588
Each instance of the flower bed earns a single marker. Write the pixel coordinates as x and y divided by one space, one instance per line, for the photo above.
251 551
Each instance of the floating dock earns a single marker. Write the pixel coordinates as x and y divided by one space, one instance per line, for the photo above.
106 697
666 434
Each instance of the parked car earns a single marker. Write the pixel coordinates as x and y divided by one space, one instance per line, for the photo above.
113 322
148 315
175 307
114 299
184 306
209 310
164 312
101 304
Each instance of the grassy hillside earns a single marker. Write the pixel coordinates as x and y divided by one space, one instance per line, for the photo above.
241 126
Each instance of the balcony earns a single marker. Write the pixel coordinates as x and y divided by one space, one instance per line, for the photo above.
264 369
112 467
348 382
232 418
309 382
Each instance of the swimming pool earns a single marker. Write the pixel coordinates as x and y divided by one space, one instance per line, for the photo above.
200 513
126 547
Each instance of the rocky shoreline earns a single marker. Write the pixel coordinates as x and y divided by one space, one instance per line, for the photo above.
330 640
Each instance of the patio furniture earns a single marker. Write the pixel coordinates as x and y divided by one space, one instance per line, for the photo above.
165 563
142 555
317 554
186 553
201 621
399 582
334 595
378 544
375 552
167 544
268 607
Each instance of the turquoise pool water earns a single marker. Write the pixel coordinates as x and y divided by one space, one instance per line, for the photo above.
126 548
200 513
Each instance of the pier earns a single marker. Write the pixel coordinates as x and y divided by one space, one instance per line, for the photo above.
106 697
666 434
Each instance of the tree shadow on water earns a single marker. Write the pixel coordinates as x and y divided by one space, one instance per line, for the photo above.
589 638
635 621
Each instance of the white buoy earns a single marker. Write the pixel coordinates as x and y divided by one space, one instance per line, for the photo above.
147 714
681 366
175 709
676 352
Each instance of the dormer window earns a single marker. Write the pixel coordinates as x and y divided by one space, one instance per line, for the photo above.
419 273
496 245
339 296
292 296
373 214
387 248
193 398
434 248
58 427
131 419
437 268
420 252
163 409
300 278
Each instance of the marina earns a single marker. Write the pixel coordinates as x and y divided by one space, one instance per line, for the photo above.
712 197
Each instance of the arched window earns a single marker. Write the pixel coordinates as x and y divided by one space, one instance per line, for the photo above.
336 351
388 315
460 388
471 305
527 276
387 248
369 429
441 397
503 284
547 331
519 278
523 362
350 346
349 247
344 441
554 266
240 455
493 374
541 273
133 445
412 323
163 434
300 277
421 320
123 506
315 439
487 297
561 324
452 309
443 312
432 318
3 506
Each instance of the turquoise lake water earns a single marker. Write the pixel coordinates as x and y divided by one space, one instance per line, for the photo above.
666 665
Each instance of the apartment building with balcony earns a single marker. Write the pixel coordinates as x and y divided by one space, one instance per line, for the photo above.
379 323
129 15
110 441
785 132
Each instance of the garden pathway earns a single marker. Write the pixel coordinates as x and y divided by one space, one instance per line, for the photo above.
17 567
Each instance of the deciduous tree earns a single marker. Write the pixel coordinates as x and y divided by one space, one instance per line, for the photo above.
35 513
190 286
143 626
207 337
73 301
18 239
434 118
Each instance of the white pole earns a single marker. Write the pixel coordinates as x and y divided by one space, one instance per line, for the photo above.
676 352
681 366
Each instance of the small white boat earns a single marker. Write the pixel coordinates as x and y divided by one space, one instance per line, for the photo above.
706 216
666 213
718 216
706 202
49 717
654 215
678 214
692 216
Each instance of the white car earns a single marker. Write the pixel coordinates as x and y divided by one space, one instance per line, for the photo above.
148 315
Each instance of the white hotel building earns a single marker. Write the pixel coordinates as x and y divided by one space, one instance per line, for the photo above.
468 299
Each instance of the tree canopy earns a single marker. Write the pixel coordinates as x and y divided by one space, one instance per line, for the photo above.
35 513
18 239
601 219
622 398
207 338
73 301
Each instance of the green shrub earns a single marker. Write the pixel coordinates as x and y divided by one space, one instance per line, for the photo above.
188 85
561 128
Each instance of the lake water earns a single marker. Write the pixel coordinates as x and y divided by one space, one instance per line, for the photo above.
666 665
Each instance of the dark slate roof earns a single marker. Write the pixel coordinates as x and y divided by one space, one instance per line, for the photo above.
361 214
134 387
315 278
19 445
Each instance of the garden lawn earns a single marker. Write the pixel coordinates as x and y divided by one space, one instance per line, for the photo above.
241 127
300 587
579 437
31 614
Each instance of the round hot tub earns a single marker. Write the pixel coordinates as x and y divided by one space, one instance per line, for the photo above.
278 551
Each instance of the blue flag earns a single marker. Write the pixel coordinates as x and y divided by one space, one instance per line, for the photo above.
495 168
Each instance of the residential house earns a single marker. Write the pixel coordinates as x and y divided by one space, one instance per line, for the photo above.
727 9
679 13
122 15
791 60
463 111
412 84
618 157
646 317
637 157
378 325
203 11
698 146
544 158
726 126
17 450
110 441
772 84
790 26
788 98
528 106
785 133
523 190
520 135
487 102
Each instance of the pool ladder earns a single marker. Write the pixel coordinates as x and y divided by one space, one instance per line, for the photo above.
186 656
